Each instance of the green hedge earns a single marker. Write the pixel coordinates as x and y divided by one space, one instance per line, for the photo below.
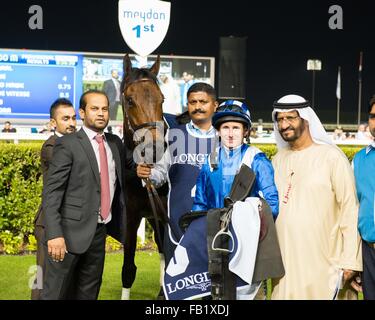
270 150
21 188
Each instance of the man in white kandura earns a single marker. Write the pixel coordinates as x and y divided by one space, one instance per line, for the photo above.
318 207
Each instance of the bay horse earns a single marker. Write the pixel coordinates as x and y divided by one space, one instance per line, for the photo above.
142 102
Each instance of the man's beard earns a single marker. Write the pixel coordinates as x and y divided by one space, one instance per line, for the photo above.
297 132
70 130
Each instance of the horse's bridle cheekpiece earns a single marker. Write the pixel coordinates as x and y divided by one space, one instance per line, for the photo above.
158 125
153 196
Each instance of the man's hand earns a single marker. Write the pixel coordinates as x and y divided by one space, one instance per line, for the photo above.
348 274
354 278
57 249
356 283
144 171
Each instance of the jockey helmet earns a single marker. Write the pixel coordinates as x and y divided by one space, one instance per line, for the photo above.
232 110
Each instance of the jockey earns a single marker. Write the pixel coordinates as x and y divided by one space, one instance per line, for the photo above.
233 123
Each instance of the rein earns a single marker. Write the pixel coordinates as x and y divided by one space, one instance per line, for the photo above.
154 199
153 195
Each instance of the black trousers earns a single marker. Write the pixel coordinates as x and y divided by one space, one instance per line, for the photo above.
113 109
79 276
368 276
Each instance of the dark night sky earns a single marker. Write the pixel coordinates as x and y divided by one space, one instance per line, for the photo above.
281 36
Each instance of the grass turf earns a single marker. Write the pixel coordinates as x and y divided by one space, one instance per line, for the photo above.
15 276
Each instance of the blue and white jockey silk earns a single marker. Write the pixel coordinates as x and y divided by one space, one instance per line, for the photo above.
213 185
187 274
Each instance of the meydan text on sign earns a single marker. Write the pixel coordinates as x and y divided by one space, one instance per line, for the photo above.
144 24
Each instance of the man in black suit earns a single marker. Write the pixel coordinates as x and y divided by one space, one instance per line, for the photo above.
83 201
63 119
112 88
8 128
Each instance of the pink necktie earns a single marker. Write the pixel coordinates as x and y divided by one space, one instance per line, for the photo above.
104 179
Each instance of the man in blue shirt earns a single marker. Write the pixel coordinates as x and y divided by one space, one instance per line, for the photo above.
364 168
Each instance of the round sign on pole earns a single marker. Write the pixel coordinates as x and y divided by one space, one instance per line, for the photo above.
144 24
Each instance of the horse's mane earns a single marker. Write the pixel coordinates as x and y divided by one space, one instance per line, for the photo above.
137 74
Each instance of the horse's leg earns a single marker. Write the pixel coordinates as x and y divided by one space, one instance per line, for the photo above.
129 269
161 253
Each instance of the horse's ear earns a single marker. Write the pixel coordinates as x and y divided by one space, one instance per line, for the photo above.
127 65
156 66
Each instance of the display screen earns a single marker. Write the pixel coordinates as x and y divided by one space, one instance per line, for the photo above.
30 82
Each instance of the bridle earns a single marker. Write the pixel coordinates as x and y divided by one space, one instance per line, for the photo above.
148 125
158 125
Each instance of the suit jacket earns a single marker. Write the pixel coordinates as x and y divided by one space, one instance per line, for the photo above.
11 130
71 197
45 159
110 89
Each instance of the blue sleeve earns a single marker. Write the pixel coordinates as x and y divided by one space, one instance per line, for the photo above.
265 183
200 199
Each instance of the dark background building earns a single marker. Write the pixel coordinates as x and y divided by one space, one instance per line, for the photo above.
281 37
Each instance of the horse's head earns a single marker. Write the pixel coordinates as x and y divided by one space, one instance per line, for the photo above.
142 102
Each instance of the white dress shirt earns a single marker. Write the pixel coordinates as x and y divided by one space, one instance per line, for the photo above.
111 167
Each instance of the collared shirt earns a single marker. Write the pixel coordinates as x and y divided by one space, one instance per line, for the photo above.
58 134
364 166
370 147
111 166
230 161
199 132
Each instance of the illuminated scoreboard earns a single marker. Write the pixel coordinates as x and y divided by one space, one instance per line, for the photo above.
30 82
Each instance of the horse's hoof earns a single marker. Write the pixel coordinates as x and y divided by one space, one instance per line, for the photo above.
125 294
161 295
